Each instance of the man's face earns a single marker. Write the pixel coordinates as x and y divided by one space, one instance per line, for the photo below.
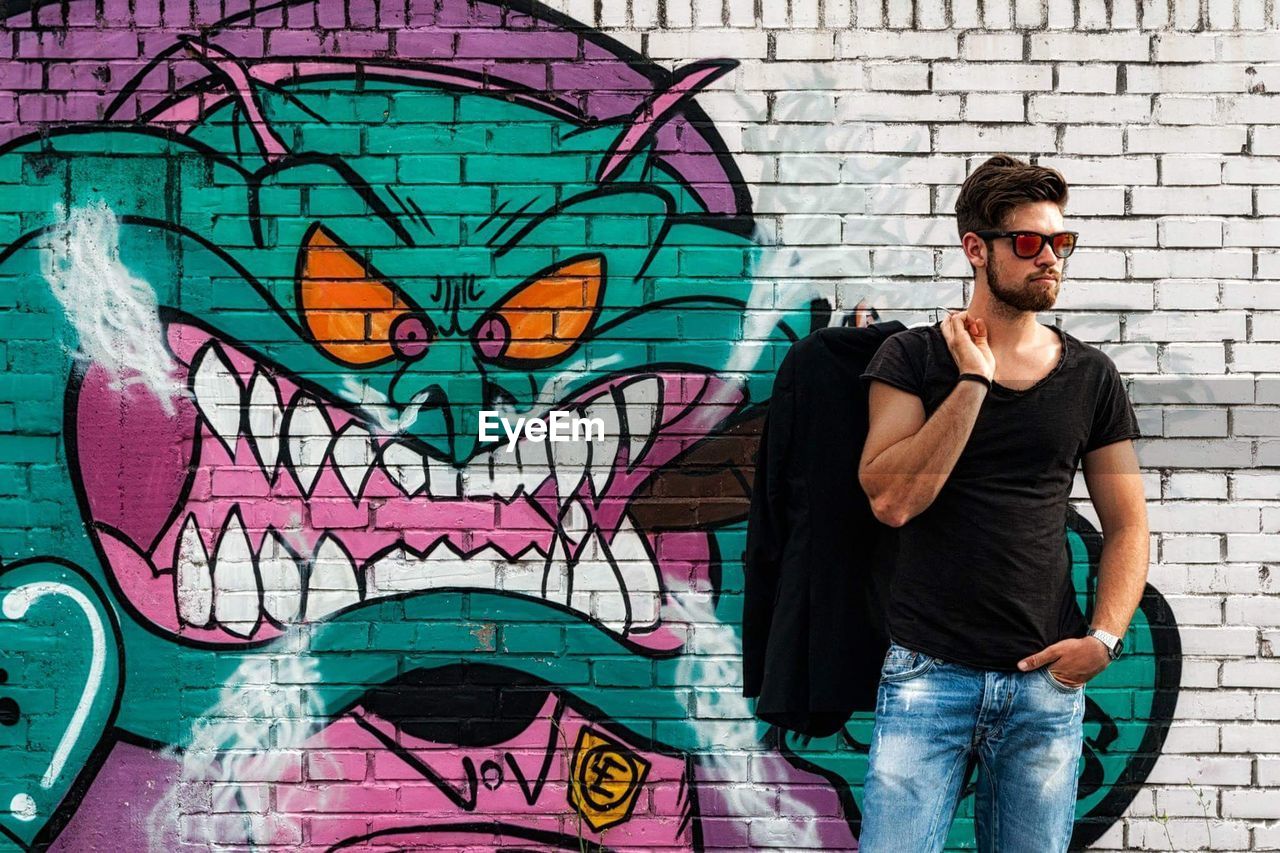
1027 284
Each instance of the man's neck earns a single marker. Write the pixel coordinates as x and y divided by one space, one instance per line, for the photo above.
1007 328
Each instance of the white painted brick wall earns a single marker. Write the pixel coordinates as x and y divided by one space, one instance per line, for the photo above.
1173 162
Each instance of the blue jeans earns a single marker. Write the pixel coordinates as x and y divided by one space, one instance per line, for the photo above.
1023 730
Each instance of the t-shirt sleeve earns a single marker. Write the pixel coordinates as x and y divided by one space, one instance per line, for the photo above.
894 363
1113 416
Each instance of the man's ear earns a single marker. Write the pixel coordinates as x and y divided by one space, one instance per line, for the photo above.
975 249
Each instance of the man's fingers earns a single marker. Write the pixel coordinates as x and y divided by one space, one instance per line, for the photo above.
1040 658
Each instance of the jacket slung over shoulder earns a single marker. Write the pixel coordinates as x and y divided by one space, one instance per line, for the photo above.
817 560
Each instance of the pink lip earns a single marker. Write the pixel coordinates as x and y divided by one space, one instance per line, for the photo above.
163 487
524 792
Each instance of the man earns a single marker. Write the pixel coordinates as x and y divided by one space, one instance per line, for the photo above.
977 425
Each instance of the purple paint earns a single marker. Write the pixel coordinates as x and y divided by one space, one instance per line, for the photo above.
113 814
410 337
457 35
133 456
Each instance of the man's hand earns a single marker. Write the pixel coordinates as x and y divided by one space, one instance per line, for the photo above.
1073 662
967 339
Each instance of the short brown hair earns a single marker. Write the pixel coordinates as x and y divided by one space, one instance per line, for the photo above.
1001 184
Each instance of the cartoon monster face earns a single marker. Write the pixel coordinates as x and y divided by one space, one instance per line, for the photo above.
340 384
345 271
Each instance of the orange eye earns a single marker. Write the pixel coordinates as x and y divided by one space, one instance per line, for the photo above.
348 310
545 317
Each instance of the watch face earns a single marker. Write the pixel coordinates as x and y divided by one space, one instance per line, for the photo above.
1119 647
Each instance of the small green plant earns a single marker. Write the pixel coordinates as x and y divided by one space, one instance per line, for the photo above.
1163 819
584 846
1204 809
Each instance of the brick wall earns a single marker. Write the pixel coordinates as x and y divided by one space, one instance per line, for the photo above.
264 586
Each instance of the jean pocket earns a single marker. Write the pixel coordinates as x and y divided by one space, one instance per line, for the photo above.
902 663
1058 685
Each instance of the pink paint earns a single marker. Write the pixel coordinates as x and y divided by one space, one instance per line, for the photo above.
521 785
133 456
655 111
504 48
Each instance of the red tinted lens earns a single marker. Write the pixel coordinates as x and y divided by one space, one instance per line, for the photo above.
1063 244
1026 245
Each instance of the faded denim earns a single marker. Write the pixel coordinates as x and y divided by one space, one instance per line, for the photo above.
1024 730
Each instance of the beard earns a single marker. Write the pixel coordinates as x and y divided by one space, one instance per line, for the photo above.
1020 295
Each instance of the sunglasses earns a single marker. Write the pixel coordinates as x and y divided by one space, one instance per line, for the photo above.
1027 244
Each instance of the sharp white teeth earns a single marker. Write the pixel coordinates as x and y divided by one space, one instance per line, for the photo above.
642 400
603 451
535 464
353 453
449 569
556 573
194 579
523 576
639 574
309 439
570 460
574 521
332 584
236 595
396 572
507 482
443 479
265 416
218 395
596 588
281 580
596 584
440 568
405 466
477 477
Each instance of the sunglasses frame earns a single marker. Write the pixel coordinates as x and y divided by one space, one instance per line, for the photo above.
992 233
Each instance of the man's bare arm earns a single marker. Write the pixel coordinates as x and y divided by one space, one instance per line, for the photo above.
1115 486
1114 481
907 459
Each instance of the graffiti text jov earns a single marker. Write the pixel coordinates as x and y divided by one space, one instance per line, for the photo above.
263 587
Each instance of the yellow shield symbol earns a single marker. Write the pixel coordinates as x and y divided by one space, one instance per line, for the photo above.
606 779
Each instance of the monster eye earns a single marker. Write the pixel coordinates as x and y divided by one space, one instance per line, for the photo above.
352 314
545 317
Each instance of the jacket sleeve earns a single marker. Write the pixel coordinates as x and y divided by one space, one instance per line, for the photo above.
766 527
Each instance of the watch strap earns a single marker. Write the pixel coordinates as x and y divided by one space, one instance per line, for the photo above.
976 377
1111 641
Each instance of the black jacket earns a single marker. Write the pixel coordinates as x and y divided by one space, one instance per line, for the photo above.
817 560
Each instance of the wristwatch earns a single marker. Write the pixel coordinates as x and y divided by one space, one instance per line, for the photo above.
1114 644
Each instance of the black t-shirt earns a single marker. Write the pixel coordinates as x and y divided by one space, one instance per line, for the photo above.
982 576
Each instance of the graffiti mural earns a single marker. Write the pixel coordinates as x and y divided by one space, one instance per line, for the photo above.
263 583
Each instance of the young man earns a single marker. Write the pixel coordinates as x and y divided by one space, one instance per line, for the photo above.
977 425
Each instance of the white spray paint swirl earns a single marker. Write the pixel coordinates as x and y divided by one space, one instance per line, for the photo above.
112 310
265 712
785 278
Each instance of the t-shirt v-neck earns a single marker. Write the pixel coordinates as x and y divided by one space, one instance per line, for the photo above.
1062 359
